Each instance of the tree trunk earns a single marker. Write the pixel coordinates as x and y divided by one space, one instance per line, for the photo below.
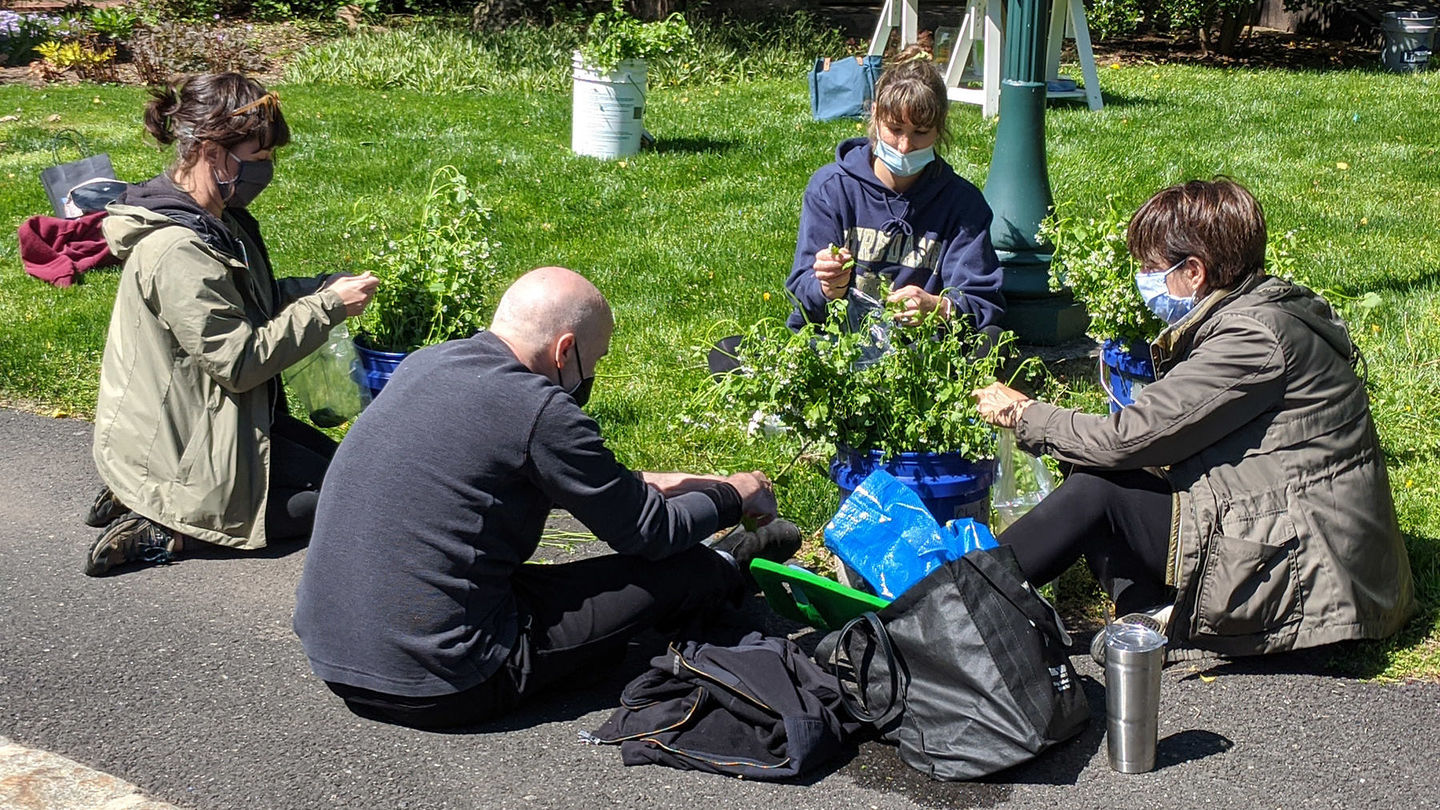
493 15
655 9
1231 24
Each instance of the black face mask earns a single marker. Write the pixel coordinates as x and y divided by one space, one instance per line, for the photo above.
581 392
250 179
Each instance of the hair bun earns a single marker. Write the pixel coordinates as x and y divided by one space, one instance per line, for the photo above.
160 110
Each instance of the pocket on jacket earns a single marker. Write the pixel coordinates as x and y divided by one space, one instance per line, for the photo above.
1250 587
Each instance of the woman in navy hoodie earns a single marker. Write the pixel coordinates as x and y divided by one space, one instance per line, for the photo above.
898 209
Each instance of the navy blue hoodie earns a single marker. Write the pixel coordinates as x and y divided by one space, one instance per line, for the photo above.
936 235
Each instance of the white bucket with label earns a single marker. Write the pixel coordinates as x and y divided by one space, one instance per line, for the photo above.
609 110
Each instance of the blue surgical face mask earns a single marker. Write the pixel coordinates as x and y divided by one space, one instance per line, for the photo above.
1166 306
903 164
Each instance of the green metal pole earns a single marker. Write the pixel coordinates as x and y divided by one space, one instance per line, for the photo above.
1018 185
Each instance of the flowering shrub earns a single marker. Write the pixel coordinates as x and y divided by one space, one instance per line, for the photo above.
166 49
880 387
436 280
20 34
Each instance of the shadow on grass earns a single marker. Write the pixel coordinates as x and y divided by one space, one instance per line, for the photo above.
697 146
1109 97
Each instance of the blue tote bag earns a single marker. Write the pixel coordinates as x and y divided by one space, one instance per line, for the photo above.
843 88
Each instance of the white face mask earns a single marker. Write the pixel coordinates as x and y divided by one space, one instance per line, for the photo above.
1167 307
903 164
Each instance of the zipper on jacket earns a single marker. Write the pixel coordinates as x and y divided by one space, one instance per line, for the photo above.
594 740
680 660
717 762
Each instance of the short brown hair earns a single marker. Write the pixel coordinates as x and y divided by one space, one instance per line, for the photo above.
1216 221
224 108
912 89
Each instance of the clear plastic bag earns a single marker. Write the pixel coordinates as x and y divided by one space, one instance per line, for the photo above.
865 314
884 533
327 382
1021 481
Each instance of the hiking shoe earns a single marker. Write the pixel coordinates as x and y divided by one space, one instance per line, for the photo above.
777 541
105 509
131 539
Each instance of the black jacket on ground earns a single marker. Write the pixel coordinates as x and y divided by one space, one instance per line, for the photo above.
759 710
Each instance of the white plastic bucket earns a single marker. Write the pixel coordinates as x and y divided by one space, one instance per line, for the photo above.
1408 38
609 111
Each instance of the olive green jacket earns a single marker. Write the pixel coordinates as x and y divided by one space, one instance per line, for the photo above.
1283 532
189 376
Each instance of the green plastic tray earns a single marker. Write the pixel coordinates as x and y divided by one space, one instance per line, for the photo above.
814 600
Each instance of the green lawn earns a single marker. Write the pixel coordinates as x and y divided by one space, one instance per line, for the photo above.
688 240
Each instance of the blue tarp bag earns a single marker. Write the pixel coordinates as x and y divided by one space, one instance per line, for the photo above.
884 533
843 88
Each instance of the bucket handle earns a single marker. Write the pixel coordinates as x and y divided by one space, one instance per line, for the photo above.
631 81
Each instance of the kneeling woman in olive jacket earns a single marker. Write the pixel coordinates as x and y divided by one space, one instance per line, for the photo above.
192 438
1243 496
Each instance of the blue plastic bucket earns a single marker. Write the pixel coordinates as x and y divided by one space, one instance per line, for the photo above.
1124 370
949 484
378 366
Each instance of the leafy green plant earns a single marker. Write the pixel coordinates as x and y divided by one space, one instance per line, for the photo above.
880 387
617 36
423 59
94 64
1092 261
1114 18
432 58
155 12
116 24
436 280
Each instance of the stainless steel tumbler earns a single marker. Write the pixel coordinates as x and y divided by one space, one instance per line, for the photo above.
1134 655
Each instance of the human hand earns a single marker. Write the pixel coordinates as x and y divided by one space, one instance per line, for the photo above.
834 268
757 496
915 304
1000 405
355 291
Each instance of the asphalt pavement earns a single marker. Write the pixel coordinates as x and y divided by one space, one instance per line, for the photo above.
187 682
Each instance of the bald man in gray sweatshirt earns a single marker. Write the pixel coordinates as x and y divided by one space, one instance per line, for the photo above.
415 605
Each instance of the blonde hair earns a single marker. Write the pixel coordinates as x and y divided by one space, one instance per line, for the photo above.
913 90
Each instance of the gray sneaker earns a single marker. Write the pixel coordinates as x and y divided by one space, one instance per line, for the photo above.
131 539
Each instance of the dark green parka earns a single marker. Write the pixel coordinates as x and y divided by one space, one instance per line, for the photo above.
1283 527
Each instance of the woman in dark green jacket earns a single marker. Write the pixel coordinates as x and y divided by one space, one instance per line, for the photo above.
1242 502
192 438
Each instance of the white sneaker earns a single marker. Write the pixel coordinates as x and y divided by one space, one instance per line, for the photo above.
1157 619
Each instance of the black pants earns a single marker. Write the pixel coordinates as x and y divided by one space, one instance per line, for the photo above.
299 456
1120 522
576 620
